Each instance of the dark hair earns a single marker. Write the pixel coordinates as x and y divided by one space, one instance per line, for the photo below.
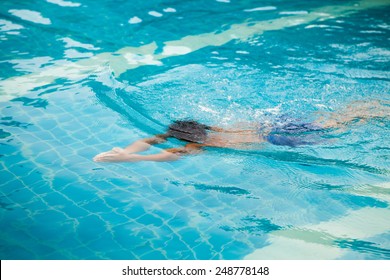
188 130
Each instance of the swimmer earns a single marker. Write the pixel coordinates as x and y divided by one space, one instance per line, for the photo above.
284 132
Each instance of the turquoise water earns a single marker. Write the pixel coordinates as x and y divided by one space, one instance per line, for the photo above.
80 77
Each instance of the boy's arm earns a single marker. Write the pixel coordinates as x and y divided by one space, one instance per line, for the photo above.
121 155
144 144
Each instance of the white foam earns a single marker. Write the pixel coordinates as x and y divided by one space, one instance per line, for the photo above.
242 52
63 3
223 1
31 65
135 59
135 20
70 43
13 32
384 26
32 16
371 32
72 53
294 13
317 26
219 58
267 8
7 26
169 10
175 50
207 109
155 14
321 14
274 110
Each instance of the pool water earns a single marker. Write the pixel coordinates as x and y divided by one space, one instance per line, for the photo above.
80 77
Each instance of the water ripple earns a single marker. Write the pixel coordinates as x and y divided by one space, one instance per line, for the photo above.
222 189
296 157
364 247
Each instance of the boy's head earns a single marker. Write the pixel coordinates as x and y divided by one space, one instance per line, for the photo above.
188 130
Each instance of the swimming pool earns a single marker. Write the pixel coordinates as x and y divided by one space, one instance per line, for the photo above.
80 77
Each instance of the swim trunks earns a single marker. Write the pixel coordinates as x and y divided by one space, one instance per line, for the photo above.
294 134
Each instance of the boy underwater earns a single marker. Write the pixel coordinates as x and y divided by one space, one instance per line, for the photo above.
284 132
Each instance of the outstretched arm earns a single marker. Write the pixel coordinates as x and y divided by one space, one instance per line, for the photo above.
138 146
144 144
121 155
